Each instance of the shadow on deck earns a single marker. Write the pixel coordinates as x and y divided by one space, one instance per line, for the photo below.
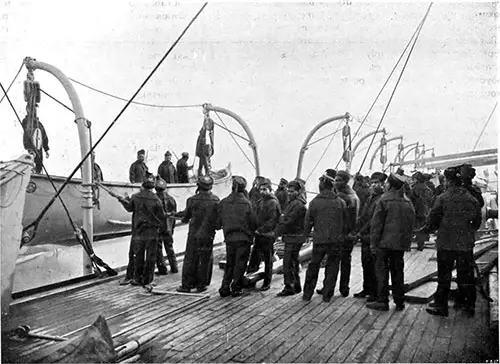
258 326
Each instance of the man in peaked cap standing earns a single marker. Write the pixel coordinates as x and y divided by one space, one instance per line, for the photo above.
138 170
369 290
165 235
421 197
183 168
237 219
166 169
201 214
456 215
390 236
268 213
327 214
346 193
148 216
291 228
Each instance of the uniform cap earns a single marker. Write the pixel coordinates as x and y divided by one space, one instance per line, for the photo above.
141 152
160 184
205 182
167 153
396 181
149 181
378 176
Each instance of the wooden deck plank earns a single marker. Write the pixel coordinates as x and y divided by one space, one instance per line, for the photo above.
426 343
323 322
440 350
385 327
417 321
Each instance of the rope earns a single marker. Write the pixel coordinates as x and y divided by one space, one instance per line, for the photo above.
56 100
135 102
13 80
322 138
419 28
324 152
238 144
383 86
232 132
484 127
119 115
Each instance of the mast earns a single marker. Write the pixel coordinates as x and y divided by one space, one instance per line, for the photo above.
84 136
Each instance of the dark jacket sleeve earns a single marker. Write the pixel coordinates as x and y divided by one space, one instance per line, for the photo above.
131 173
309 220
127 203
188 212
435 217
377 225
287 220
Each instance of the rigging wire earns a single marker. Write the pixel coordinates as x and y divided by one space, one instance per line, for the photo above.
117 117
484 127
241 149
135 102
324 152
59 102
13 80
385 84
419 28
324 137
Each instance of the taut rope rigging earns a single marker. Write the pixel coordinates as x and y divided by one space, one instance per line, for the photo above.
118 116
419 28
484 127
134 102
385 84
12 82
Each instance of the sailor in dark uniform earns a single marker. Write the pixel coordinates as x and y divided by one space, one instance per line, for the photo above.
201 214
148 216
138 169
165 236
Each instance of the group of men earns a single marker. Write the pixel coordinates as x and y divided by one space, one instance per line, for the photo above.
166 170
383 213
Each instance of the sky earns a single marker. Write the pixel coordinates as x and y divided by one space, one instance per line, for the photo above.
282 67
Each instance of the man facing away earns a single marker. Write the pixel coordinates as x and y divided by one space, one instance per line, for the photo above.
390 236
238 222
346 193
165 235
183 168
327 214
421 197
456 215
291 228
147 218
166 169
138 170
201 214
369 290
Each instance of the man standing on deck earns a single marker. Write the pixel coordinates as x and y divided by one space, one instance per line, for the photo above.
291 228
201 214
327 214
268 214
138 170
390 236
148 216
421 197
165 235
183 168
166 169
456 215
346 193
363 233
238 222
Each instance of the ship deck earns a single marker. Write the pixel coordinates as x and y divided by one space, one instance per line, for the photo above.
258 326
